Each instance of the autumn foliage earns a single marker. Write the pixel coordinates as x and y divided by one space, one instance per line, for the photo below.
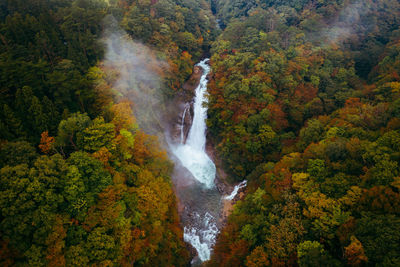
309 116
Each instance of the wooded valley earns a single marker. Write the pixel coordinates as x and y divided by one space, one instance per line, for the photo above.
303 103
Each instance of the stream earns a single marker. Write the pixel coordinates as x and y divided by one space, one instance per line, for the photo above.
201 199
194 176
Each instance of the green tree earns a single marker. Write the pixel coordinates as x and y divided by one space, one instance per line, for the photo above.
13 123
312 253
99 134
71 130
95 178
15 153
313 132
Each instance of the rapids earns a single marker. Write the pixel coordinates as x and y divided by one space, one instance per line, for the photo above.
194 177
201 228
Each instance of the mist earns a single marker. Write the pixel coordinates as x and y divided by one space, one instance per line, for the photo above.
351 21
139 71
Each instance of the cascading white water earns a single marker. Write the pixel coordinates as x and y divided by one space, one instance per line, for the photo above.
202 232
192 154
197 133
202 199
236 190
203 236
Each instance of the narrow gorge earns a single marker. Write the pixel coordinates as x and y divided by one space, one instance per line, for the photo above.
195 178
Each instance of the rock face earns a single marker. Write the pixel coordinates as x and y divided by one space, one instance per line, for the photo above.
221 178
228 205
194 80
186 120
180 112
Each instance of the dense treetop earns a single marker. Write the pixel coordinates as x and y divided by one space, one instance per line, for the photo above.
81 184
303 104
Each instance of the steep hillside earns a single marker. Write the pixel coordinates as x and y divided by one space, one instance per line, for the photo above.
303 105
81 184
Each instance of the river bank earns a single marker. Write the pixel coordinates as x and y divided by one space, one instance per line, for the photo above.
223 185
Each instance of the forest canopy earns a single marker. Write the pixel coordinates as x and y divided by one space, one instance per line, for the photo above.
303 103
81 184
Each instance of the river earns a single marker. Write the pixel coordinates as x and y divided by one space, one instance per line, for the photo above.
195 175
199 196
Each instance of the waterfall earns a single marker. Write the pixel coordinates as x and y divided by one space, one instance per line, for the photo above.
201 230
236 190
201 199
197 134
183 124
192 154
